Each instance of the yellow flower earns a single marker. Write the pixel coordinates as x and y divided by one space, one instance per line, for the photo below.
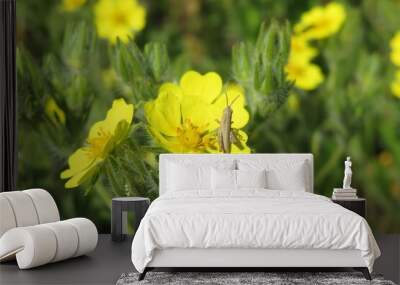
306 75
301 49
119 19
72 5
103 137
396 85
395 46
321 22
183 118
109 77
293 102
55 114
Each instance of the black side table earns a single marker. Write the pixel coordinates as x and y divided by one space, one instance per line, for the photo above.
120 205
358 205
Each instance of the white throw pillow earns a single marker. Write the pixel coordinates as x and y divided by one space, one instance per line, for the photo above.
186 175
223 179
251 178
281 175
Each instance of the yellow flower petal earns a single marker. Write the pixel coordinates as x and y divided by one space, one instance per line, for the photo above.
54 112
300 49
81 177
119 111
197 112
78 161
395 86
72 5
395 42
306 75
119 19
293 102
164 112
321 22
395 46
240 116
207 87
395 57
243 138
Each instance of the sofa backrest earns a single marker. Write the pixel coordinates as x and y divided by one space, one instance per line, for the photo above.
26 208
283 159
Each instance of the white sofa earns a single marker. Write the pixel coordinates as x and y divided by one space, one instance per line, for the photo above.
31 231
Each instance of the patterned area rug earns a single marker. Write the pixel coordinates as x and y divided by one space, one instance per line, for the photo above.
233 278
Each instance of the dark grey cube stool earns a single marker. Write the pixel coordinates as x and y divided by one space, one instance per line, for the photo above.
120 206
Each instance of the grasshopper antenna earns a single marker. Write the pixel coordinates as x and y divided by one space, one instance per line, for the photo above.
237 97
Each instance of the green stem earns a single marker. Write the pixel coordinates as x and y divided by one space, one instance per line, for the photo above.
104 195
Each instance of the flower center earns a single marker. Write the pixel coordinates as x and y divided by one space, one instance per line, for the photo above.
120 18
96 145
295 70
323 24
189 135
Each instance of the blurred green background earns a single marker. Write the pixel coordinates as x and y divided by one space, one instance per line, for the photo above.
67 81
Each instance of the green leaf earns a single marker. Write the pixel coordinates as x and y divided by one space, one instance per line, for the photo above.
261 69
79 42
158 60
135 70
242 61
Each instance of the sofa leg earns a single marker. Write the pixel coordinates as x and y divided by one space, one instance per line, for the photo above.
143 274
364 271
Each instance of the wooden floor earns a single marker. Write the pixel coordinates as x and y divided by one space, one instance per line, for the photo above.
110 260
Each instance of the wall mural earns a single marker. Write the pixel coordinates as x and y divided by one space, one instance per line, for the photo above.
105 86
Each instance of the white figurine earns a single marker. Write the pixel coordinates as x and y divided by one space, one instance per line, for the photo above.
347 174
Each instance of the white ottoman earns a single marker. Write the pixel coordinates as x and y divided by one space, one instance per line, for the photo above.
31 232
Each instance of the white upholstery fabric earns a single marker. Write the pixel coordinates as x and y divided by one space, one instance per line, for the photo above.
251 178
223 179
7 220
215 160
46 208
186 174
66 238
87 235
285 174
184 177
23 208
31 232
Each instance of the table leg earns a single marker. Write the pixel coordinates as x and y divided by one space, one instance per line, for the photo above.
116 223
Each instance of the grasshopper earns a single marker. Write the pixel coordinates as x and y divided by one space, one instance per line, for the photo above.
226 134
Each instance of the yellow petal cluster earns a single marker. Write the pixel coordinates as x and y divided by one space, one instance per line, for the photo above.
395 49
318 23
54 112
72 5
184 117
321 22
395 58
395 86
119 19
103 137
